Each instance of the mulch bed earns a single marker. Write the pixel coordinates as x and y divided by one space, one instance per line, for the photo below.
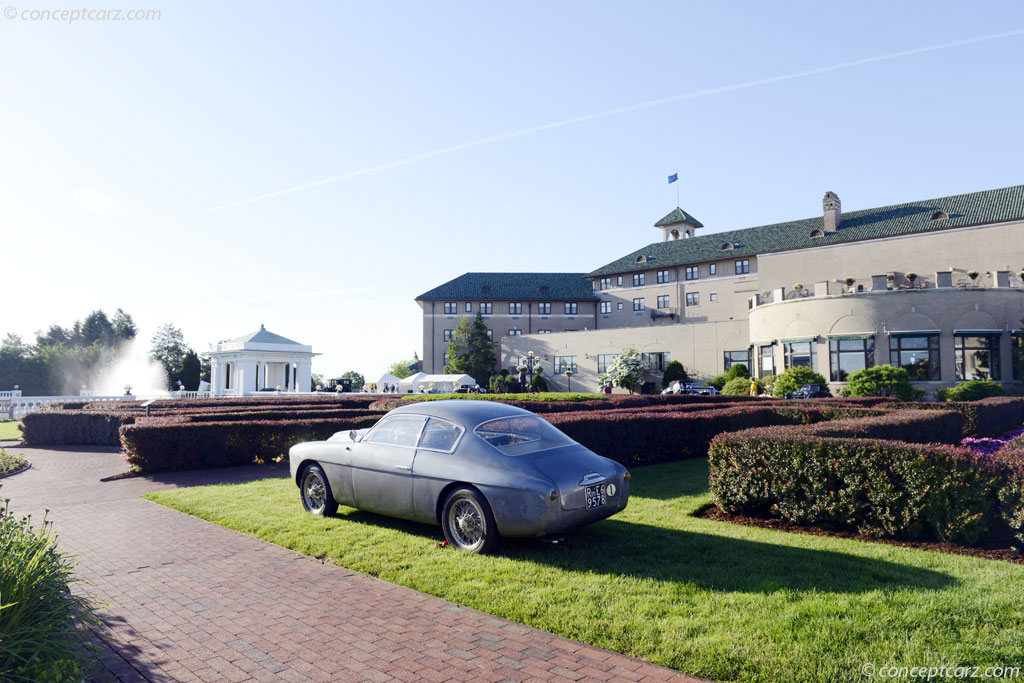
990 549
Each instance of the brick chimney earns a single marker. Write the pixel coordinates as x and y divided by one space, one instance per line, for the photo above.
833 211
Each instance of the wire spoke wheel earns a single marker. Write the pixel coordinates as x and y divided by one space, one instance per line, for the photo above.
468 523
316 492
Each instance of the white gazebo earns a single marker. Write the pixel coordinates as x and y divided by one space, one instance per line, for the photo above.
259 361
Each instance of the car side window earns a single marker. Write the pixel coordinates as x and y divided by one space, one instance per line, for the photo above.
440 435
400 430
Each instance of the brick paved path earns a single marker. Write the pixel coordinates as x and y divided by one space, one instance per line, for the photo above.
191 601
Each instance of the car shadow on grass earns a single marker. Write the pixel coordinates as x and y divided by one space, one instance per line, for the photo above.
719 563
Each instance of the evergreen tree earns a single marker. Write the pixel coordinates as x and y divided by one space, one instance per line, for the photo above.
96 329
674 371
124 326
471 351
168 348
191 370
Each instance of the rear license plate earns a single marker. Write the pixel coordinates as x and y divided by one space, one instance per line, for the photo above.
596 496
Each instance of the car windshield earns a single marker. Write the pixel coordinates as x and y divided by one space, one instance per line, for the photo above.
521 434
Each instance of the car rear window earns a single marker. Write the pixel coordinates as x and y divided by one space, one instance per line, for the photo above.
521 434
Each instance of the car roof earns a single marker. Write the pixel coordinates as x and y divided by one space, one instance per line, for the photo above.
467 412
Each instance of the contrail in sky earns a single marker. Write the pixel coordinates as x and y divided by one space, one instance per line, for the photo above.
611 112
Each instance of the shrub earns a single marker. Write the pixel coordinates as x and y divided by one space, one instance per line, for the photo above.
674 371
42 621
73 427
914 426
879 488
737 370
881 380
975 390
736 386
718 382
988 417
160 446
791 380
538 383
10 462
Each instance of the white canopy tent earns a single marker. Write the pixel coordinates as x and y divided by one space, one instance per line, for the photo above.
435 384
387 380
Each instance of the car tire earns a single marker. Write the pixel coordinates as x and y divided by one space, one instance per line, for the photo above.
315 491
467 522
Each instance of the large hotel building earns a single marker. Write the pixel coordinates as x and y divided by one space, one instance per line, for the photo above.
934 286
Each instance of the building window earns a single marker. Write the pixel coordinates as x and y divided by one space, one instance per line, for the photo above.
693 298
227 375
743 266
714 297
544 308
606 306
917 354
451 307
618 280
469 307
663 301
620 306
571 309
444 359
604 361
490 335
1017 355
563 363
447 335
656 362
638 304
515 308
847 356
639 279
767 355
604 283
662 277
515 332
713 268
692 272
977 357
801 355
737 358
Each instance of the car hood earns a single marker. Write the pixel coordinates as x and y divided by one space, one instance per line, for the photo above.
574 467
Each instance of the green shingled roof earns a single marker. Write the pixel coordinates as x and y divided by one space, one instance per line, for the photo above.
677 215
513 287
975 208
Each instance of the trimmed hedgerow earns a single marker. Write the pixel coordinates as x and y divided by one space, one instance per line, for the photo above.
73 427
275 415
165 445
878 488
915 426
988 417
639 437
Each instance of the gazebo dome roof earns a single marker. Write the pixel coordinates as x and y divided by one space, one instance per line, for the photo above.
263 336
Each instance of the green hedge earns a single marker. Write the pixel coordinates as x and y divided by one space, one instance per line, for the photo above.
914 426
160 446
73 427
876 487
988 417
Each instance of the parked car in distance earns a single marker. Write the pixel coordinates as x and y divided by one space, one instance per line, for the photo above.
479 469
808 391
677 387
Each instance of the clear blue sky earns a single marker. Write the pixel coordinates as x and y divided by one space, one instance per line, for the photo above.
118 137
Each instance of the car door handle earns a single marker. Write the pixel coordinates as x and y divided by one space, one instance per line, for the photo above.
403 467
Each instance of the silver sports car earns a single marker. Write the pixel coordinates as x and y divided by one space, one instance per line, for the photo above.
480 469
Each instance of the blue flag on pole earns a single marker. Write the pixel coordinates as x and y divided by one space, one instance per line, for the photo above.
672 178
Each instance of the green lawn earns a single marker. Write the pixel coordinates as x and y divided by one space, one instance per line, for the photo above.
9 430
714 599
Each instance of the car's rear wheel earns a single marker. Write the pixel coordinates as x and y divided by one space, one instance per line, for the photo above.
468 523
317 496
